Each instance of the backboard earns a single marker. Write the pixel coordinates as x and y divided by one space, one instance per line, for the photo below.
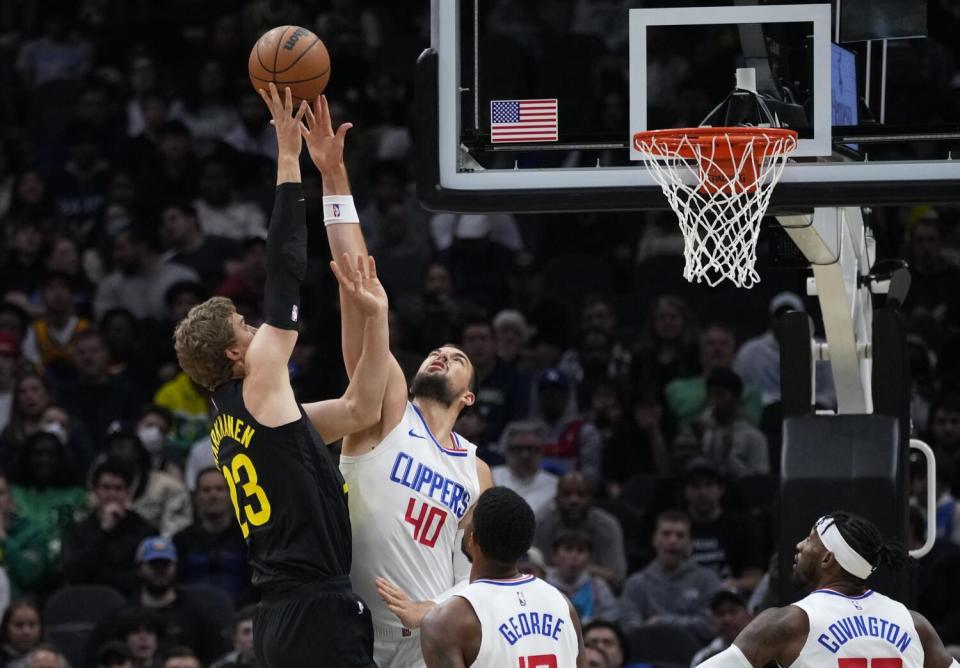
531 106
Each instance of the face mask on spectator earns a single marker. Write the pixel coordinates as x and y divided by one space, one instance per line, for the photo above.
151 437
57 429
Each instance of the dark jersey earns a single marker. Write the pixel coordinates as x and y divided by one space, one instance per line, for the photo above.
288 494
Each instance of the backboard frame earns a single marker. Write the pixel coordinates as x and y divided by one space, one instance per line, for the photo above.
443 186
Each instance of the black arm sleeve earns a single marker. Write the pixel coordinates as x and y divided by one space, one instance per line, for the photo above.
286 257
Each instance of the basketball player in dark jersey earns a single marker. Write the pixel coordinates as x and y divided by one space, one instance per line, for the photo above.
289 497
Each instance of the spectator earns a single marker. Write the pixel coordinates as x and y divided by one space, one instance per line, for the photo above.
208 111
932 271
609 639
50 339
100 548
180 657
522 446
190 409
31 397
597 315
245 285
128 347
437 303
668 344
590 595
758 360
157 497
98 398
140 280
242 654
73 435
220 213
63 257
573 509
572 442
533 563
46 656
730 617
13 319
22 269
944 428
186 622
253 135
33 206
24 548
638 442
687 397
174 173
503 229
395 227
21 630
673 589
502 394
153 430
189 246
595 658
45 492
212 550
729 440
9 359
511 333
82 180
141 630
726 543
547 317
114 654
58 54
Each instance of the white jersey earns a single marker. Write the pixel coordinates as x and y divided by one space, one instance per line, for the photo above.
523 622
872 629
407 497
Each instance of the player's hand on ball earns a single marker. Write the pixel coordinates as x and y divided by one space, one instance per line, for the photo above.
410 613
325 145
286 123
359 281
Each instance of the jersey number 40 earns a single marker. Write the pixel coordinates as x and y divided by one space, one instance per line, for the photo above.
539 661
869 663
427 521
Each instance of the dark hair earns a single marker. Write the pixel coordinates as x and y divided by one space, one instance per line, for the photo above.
615 629
184 287
179 651
204 471
673 516
61 276
64 476
112 467
8 617
572 538
503 524
162 411
245 614
135 619
182 205
864 537
118 312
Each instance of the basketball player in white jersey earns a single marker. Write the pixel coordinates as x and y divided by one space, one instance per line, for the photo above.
412 480
502 619
842 623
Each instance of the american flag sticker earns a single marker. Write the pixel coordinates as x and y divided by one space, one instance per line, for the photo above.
523 120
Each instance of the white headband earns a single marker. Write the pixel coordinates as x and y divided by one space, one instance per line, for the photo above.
848 558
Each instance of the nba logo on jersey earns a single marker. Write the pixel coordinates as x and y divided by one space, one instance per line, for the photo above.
522 599
294 313
336 210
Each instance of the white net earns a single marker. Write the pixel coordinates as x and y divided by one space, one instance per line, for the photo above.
719 184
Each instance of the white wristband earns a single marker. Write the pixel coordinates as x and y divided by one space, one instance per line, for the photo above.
339 209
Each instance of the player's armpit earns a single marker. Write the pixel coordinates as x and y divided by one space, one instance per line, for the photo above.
450 635
267 393
776 634
935 654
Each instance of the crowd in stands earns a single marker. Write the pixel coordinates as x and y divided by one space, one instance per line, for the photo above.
638 415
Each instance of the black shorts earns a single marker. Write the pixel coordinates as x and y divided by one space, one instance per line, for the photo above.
326 629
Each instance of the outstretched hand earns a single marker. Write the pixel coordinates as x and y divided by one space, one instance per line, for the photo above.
360 283
410 613
325 145
286 123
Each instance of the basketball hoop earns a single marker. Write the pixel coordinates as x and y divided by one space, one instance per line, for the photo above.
719 182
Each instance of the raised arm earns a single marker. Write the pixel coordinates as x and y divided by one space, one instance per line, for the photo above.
345 238
266 389
359 407
935 655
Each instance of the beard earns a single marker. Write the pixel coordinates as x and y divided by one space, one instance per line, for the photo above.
435 388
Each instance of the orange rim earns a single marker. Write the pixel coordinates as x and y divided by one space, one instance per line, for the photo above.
679 141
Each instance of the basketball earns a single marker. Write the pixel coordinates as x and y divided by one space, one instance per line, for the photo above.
290 56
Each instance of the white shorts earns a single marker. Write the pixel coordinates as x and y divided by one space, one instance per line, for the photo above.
403 653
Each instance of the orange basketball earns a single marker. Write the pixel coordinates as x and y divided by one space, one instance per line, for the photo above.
290 56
